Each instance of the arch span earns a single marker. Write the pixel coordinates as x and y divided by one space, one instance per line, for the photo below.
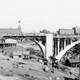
41 46
63 52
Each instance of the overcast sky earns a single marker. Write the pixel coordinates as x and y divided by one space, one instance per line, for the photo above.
40 14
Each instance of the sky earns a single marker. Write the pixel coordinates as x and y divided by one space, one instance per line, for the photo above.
36 15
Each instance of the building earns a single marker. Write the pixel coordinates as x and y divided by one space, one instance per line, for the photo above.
65 32
10 32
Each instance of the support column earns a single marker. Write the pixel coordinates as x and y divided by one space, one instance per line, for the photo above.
71 41
64 42
58 40
55 46
61 47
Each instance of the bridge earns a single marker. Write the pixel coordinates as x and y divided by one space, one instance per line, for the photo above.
52 43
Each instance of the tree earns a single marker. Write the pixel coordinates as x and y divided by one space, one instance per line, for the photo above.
45 31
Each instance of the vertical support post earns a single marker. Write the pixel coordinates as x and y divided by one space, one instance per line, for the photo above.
54 40
58 45
64 42
71 41
45 48
53 46
61 47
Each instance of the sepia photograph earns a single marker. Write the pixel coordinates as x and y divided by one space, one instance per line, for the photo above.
39 39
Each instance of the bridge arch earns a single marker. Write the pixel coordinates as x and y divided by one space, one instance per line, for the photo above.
40 45
69 51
